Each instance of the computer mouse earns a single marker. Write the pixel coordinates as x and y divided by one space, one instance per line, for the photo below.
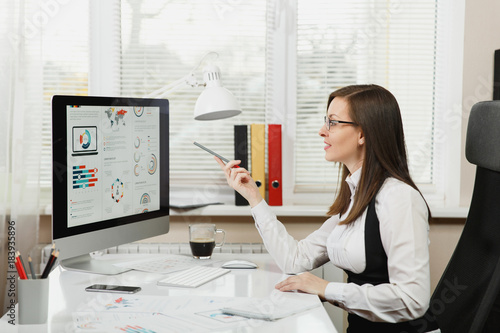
239 264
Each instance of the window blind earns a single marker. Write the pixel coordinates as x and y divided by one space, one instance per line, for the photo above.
65 67
389 43
163 41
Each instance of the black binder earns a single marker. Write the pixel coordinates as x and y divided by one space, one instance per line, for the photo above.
496 76
241 153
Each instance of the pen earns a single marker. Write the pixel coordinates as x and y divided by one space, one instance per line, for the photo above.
49 265
33 275
212 152
19 267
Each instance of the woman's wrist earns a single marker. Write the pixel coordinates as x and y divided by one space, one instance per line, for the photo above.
255 200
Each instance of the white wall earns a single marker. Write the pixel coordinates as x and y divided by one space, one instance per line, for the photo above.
481 39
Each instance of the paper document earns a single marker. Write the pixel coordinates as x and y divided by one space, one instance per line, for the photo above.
136 322
273 308
153 314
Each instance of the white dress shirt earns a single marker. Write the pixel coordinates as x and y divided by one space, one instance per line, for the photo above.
404 229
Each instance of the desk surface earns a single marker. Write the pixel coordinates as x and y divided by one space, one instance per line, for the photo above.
68 296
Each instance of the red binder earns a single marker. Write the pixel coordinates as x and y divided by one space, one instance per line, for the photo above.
274 168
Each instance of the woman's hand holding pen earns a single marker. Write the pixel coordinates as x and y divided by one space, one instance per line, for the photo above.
241 181
305 282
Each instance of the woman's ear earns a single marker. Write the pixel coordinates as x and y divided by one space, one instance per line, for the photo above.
361 138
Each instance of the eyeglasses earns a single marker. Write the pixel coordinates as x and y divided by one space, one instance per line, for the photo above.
329 123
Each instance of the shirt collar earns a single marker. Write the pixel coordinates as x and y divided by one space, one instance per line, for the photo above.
353 181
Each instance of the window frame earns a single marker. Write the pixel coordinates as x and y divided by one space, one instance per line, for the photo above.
445 192
281 106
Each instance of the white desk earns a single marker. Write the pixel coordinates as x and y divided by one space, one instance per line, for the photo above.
67 295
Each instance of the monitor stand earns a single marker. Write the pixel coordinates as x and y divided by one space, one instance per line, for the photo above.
85 263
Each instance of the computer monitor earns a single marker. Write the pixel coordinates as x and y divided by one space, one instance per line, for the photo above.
110 175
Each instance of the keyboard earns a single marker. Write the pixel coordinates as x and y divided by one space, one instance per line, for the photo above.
193 277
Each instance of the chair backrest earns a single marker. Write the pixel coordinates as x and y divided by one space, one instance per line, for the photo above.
470 285
482 146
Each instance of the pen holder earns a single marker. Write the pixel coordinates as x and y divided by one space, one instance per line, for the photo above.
33 300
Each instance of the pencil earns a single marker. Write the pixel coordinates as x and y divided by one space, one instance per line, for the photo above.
33 275
52 249
49 265
54 261
22 264
19 267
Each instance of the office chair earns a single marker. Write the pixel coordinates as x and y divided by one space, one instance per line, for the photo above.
466 298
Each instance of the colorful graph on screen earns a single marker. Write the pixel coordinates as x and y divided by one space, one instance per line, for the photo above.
145 198
117 190
152 165
138 110
84 177
84 139
116 117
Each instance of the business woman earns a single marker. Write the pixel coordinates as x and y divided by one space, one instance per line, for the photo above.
378 226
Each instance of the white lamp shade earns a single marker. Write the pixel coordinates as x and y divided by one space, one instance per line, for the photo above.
215 101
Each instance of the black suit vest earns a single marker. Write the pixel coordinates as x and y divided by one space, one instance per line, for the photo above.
375 273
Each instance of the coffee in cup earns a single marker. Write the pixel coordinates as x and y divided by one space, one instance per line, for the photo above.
202 239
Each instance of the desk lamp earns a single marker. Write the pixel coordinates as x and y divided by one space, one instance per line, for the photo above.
215 101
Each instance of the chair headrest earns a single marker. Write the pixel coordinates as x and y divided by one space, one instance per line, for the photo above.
482 146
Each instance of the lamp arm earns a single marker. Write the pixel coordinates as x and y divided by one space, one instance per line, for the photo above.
165 90
189 79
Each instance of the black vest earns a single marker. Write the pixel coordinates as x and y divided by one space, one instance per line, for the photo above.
375 273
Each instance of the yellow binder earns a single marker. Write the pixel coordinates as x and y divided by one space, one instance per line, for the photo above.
258 143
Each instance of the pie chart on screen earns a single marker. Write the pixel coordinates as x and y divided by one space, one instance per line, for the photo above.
85 139
152 164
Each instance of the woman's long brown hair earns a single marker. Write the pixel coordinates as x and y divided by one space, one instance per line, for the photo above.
377 112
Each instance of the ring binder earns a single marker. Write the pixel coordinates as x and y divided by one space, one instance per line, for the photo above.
274 165
258 138
241 153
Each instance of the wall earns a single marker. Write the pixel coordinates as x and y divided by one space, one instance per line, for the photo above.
481 39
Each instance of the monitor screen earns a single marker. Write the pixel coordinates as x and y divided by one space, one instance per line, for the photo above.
110 174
